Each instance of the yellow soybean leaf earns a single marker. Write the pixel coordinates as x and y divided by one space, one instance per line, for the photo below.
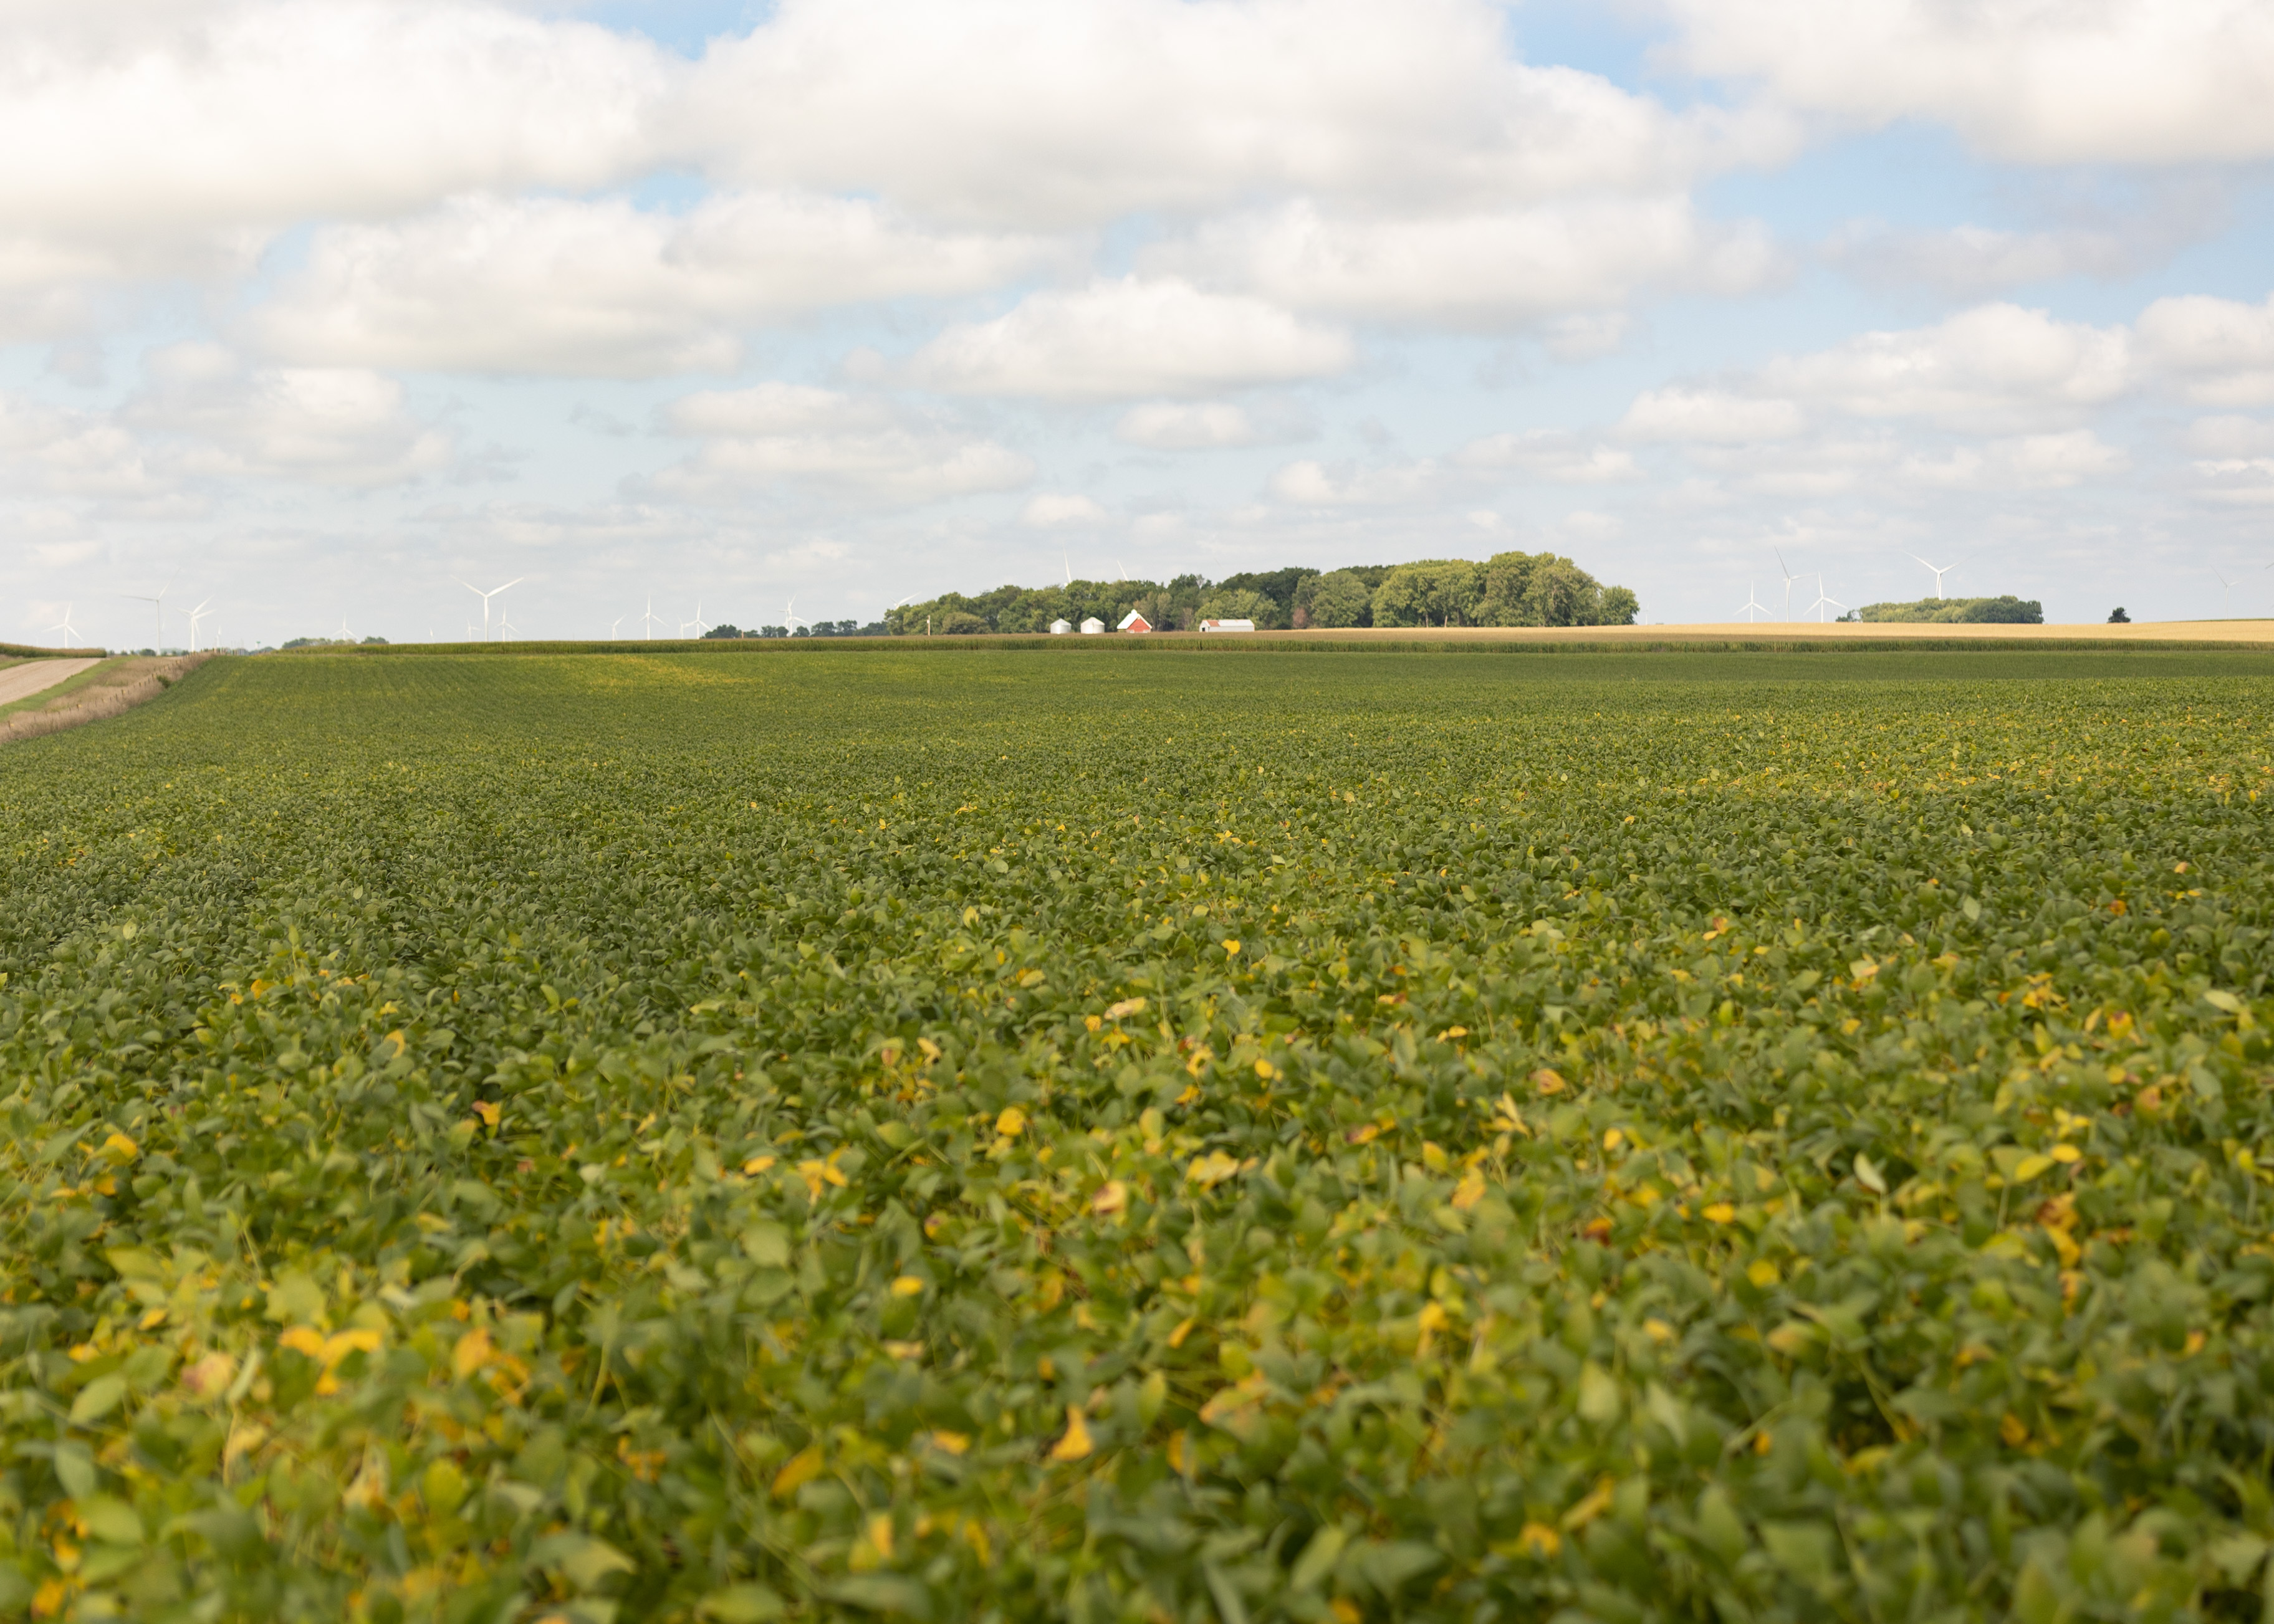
1721 1212
1076 1443
2066 1153
471 1353
801 1468
1011 1122
2031 1167
907 1285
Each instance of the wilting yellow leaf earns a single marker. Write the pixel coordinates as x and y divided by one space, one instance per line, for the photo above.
2066 1153
801 1468
907 1285
120 1149
1470 1191
1539 1540
1128 1006
1549 1081
471 1353
1721 1212
1011 1122
758 1164
1112 1197
954 1443
1076 1443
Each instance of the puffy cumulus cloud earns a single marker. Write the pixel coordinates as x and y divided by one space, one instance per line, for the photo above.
1710 417
2021 462
1134 336
160 118
604 289
2117 81
2217 351
76 453
858 448
2229 436
2234 482
1549 455
1051 510
318 426
1212 425
1046 114
1478 271
1996 367
1310 483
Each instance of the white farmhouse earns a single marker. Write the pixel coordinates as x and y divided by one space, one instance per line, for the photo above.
1227 626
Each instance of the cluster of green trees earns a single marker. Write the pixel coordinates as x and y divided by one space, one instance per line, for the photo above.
2005 611
1509 589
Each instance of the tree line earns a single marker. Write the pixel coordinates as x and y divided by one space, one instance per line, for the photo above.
1509 589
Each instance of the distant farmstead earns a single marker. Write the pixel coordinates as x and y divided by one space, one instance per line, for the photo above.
1227 626
1133 623
1092 627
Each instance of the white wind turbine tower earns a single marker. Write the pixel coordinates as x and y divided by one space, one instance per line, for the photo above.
790 622
1750 605
1822 599
697 623
619 620
159 600
2227 597
1941 570
1789 579
193 616
506 628
485 598
345 635
69 631
649 620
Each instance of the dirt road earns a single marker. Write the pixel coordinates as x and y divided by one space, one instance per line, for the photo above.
22 681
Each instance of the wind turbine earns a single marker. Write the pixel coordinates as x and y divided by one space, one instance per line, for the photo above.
506 628
649 620
696 622
1789 579
160 600
66 626
1750 605
790 621
2226 596
485 598
1822 599
1941 570
619 620
345 635
1066 557
193 616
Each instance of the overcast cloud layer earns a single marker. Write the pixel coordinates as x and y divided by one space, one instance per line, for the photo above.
309 306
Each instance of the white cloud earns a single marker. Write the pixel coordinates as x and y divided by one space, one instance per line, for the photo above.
1172 425
1310 483
187 117
1479 271
75 454
857 447
2235 481
1550 454
1049 510
1709 417
322 426
1995 367
552 285
2218 351
1113 340
2118 81
2229 437
2026 461
1037 113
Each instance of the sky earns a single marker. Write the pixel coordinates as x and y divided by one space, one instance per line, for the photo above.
318 312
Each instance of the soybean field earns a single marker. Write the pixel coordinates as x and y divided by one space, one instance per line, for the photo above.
1214 1138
